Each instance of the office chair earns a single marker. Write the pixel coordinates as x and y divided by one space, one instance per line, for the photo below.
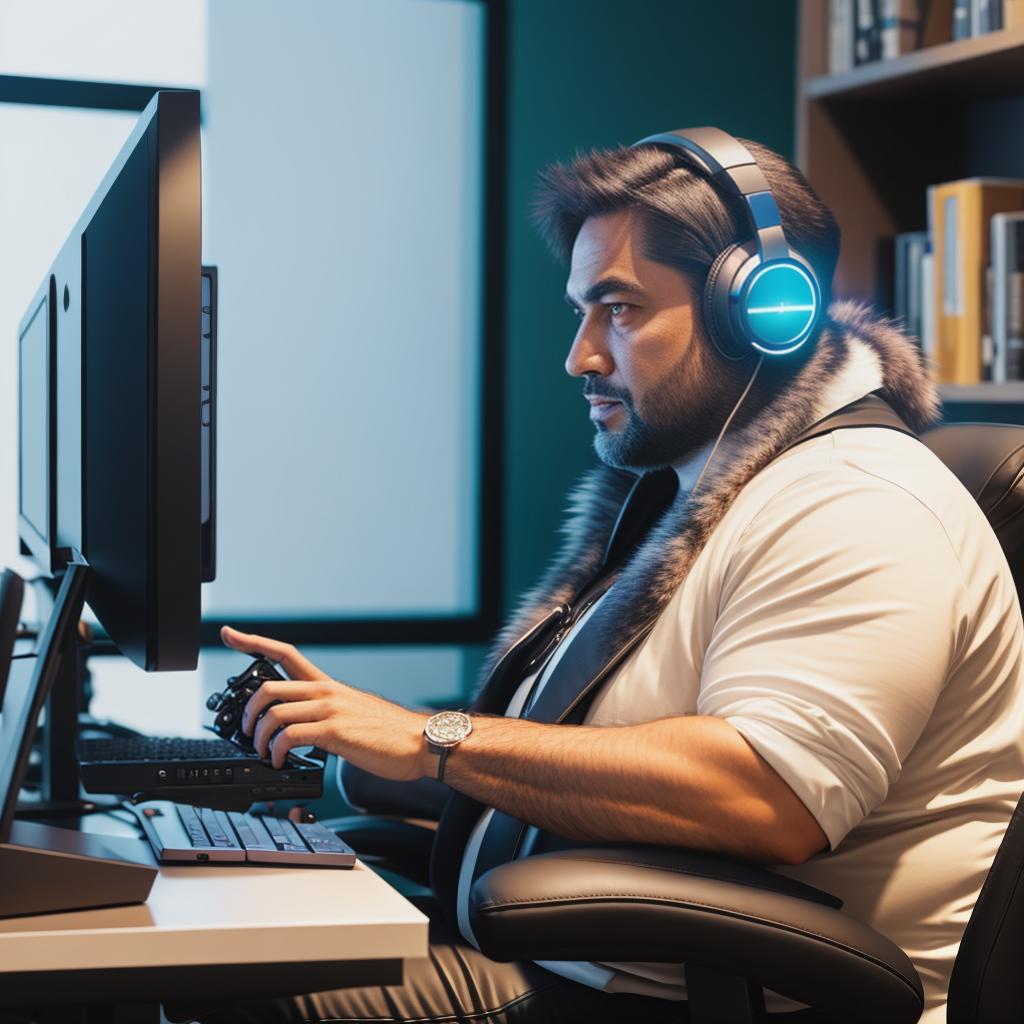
739 928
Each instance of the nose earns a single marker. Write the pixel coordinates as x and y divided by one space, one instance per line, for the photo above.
588 353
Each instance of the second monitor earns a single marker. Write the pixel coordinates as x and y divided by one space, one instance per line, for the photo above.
116 417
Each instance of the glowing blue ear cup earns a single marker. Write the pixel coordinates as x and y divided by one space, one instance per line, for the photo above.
779 306
750 305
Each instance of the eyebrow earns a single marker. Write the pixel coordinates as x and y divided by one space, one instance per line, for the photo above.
599 289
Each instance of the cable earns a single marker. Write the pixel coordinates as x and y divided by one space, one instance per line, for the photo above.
721 433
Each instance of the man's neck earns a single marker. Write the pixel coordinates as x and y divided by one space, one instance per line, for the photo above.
689 467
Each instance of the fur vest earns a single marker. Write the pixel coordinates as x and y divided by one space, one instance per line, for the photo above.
658 567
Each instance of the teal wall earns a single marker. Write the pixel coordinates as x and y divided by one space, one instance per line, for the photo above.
589 74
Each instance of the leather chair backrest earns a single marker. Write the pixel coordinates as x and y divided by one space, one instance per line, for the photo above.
988 458
987 984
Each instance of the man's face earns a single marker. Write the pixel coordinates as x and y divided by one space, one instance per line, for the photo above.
655 389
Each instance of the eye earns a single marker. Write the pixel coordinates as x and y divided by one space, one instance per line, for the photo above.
615 309
619 308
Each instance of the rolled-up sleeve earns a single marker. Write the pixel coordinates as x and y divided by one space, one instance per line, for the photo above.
837 628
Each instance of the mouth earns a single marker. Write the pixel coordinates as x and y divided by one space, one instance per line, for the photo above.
602 408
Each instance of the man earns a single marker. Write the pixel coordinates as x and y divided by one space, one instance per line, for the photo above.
809 635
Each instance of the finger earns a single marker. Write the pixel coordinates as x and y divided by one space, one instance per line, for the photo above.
285 690
286 655
279 715
299 734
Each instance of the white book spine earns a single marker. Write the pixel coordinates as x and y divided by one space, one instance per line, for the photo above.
864 22
1015 329
999 315
928 306
840 36
890 11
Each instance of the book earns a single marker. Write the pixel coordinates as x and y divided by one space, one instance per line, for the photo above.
841 31
980 17
959 224
1007 311
910 248
928 309
901 26
986 327
937 17
962 19
867 41
987 16
1013 13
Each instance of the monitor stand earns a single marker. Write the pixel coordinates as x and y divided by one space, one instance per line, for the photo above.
60 790
47 869
43 868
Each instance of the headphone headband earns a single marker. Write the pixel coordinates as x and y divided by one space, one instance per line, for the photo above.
730 163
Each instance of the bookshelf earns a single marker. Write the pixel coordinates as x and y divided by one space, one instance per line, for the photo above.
871 141
989 65
1011 393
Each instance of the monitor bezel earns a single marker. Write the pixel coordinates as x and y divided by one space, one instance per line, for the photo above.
44 550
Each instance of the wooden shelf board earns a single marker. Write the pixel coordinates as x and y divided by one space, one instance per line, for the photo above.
992 64
1009 392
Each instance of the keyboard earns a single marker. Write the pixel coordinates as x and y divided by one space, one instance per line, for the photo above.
159 748
175 769
183 834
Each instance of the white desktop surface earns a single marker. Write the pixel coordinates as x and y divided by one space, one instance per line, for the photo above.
229 915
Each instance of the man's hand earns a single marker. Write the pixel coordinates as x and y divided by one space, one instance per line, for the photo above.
311 709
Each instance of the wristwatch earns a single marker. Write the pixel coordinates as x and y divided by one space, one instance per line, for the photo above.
443 731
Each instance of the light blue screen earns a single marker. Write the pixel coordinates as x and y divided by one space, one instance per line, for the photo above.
343 161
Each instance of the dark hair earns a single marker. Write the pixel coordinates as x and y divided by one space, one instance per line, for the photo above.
686 221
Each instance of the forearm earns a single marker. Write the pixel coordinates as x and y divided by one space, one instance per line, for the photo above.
686 781
691 781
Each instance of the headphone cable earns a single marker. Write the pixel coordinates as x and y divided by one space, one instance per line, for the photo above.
725 427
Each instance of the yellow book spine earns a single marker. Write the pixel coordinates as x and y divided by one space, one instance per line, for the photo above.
961 214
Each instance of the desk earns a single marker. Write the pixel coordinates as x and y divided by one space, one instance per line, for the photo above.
216 932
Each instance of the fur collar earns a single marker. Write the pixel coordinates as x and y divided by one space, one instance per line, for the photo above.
661 563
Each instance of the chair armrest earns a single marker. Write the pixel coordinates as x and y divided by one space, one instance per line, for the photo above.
646 903
423 799
400 846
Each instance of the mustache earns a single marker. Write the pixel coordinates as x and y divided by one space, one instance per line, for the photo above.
600 389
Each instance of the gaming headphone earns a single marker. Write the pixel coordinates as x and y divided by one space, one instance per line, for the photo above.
760 294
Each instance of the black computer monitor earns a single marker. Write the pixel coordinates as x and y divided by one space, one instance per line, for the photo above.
112 396
30 685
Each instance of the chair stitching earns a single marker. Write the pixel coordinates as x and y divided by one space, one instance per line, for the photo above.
448 1017
690 871
474 991
448 986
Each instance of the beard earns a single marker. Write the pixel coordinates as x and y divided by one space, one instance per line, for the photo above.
681 413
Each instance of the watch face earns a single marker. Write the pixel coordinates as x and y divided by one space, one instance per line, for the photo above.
448 728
